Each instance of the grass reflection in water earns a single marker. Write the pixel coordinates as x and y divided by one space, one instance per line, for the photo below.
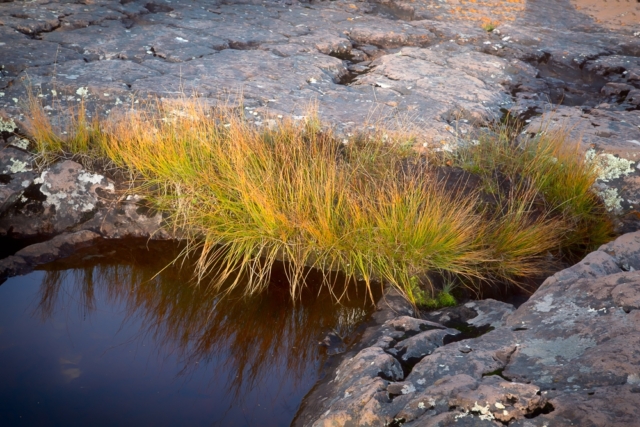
246 337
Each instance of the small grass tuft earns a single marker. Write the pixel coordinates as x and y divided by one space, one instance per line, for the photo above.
489 25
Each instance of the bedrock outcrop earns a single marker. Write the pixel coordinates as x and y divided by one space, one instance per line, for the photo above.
427 65
568 356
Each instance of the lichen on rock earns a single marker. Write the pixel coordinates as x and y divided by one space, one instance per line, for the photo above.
609 166
7 125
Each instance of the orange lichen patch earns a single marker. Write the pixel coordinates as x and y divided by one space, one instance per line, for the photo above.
485 11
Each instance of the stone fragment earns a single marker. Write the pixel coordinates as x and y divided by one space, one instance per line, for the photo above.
413 349
490 313
16 175
58 247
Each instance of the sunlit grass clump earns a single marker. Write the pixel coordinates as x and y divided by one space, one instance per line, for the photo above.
246 196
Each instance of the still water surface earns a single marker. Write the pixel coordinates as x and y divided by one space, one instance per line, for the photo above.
100 340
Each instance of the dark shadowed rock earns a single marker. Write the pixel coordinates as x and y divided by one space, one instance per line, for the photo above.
12 266
58 247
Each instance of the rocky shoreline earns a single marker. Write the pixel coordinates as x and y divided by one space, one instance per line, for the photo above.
568 356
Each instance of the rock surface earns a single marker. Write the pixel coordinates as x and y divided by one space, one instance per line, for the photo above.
568 356
65 197
26 259
427 65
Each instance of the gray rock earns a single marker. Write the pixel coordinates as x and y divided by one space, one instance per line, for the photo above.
128 218
449 76
490 313
568 356
425 65
12 266
16 175
58 247
71 194
413 349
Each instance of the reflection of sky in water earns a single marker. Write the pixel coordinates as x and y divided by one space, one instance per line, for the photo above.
110 344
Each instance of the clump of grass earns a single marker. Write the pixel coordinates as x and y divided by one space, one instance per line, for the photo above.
544 178
78 136
246 196
489 25
432 300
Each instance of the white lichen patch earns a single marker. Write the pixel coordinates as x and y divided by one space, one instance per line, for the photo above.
90 178
545 305
7 125
83 92
483 411
407 388
21 143
461 415
611 199
609 166
633 379
17 166
557 351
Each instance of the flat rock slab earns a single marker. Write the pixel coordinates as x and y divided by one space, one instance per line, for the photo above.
57 247
566 356
427 66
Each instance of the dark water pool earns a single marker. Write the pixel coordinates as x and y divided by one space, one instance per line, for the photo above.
100 340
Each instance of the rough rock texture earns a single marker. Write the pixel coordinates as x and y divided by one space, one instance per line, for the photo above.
65 197
55 248
427 65
568 356
16 175
26 259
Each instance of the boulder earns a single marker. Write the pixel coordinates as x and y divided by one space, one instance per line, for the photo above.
61 198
